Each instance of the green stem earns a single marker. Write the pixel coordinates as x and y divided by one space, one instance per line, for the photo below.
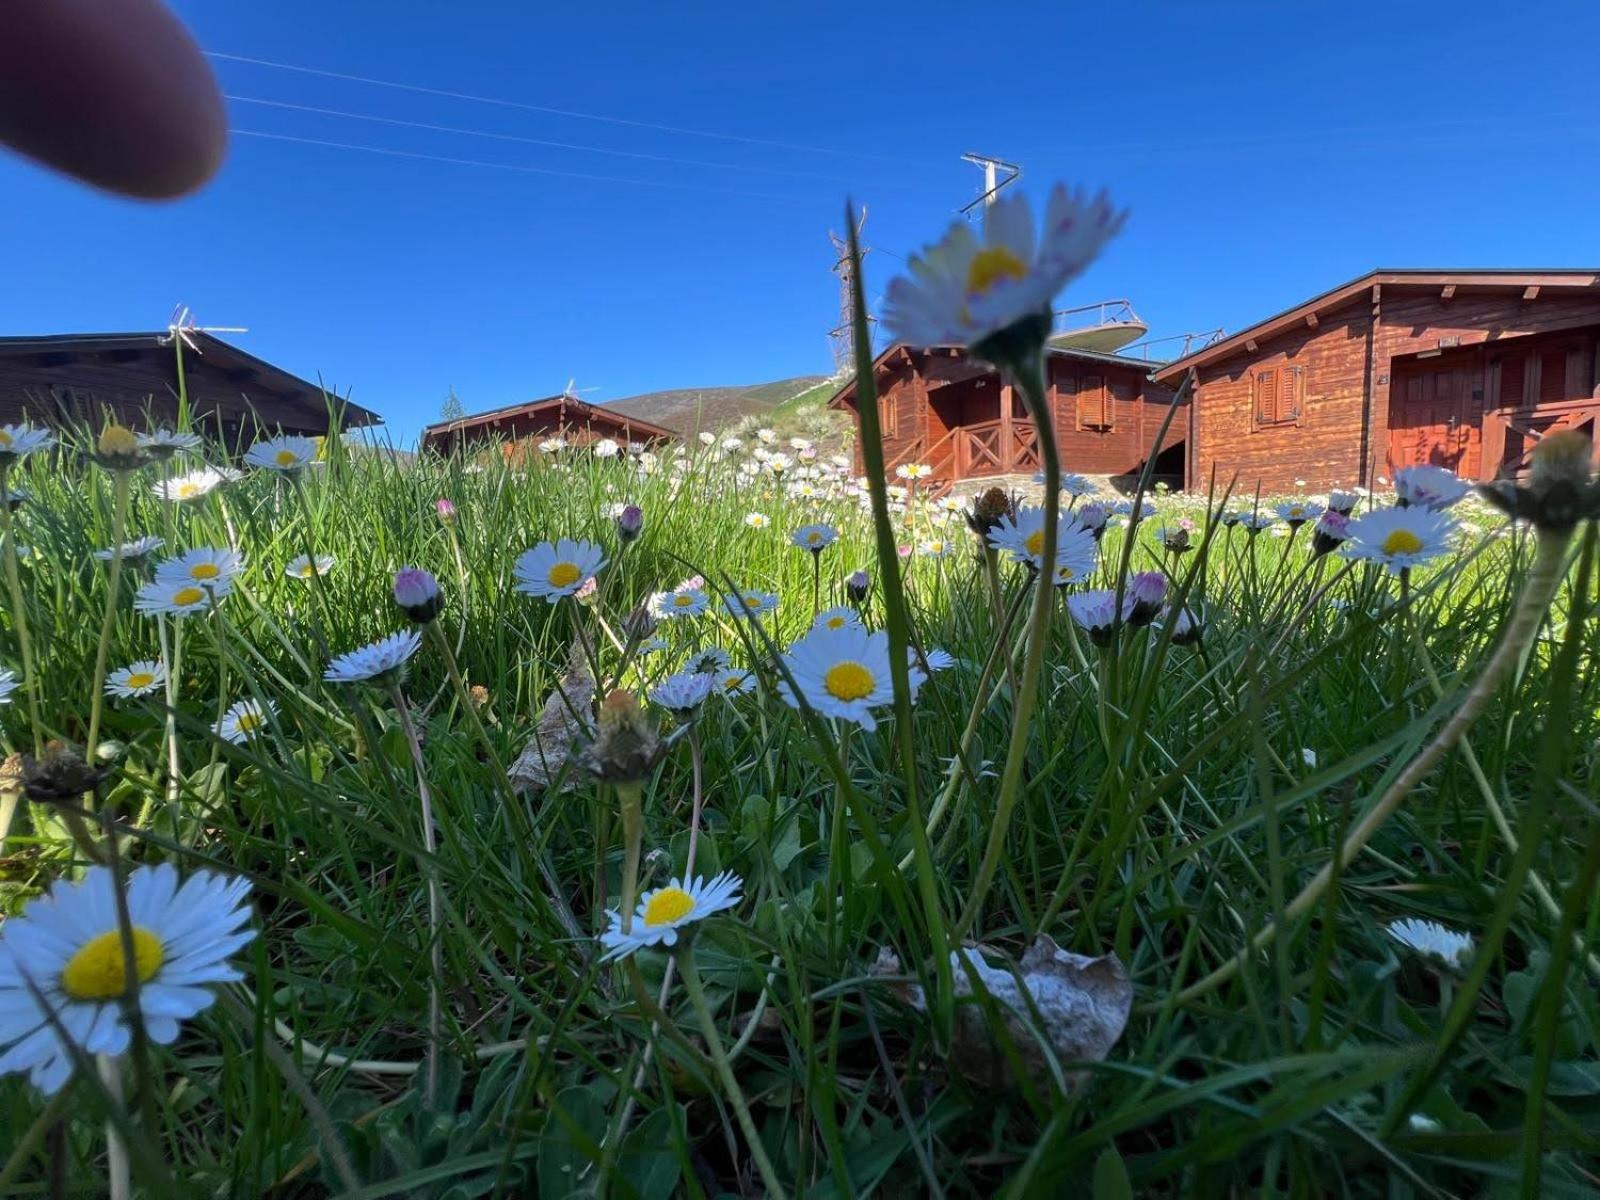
719 1059
119 520
19 612
630 798
435 915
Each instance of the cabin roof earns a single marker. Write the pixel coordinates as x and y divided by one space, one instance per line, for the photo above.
845 392
124 365
1479 279
564 401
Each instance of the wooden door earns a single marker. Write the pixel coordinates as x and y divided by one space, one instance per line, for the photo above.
1435 412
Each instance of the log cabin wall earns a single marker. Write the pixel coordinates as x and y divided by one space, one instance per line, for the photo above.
1107 415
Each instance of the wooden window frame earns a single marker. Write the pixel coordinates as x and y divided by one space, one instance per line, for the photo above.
1084 407
888 416
1283 408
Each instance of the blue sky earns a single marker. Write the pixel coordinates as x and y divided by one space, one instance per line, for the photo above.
1267 151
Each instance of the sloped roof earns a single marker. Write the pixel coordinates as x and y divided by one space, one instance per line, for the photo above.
1480 279
846 391
572 409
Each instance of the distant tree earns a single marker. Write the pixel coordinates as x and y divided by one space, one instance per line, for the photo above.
452 409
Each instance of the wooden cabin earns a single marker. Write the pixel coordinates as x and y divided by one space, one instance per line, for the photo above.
961 417
1463 369
517 426
69 380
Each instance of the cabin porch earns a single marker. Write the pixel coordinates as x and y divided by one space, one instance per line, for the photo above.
977 427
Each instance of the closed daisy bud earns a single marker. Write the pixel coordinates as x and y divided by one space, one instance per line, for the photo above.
118 449
988 509
856 585
445 510
1146 591
630 522
1332 530
626 746
417 593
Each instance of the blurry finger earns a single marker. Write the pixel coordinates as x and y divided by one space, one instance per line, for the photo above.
113 91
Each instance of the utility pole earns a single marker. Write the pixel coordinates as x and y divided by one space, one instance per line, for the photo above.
842 336
992 179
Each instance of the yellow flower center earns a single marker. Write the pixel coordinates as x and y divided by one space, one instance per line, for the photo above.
848 680
286 458
188 491
5 438
1296 511
813 537
837 622
118 440
140 679
1035 542
98 971
307 570
563 574
188 595
668 905
683 600
1066 573
205 571
249 722
991 265
1402 541
753 601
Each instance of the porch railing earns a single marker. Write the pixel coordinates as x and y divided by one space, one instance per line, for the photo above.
995 448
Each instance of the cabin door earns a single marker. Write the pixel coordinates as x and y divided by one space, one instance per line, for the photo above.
1435 408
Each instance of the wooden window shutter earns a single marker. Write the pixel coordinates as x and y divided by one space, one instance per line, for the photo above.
1288 404
1092 402
1513 374
1553 377
1266 396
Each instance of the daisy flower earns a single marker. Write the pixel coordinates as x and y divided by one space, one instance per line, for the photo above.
1021 534
664 911
683 601
557 570
134 550
1096 613
836 618
1343 503
815 538
777 464
1330 532
190 486
8 684
732 445
1144 595
384 660
843 673
1255 522
203 565
937 548
1298 512
63 977
19 441
244 721
913 471
684 692
552 445
136 679
303 566
1077 485
751 603
606 448
287 454
1093 517
1427 486
732 682
767 436
178 597
708 661
1400 538
963 289
933 661
1432 940
162 443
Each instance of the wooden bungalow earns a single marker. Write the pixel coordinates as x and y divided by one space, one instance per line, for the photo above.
67 380
940 407
517 425
1464 369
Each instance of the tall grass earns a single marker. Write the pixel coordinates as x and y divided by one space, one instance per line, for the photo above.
1171 801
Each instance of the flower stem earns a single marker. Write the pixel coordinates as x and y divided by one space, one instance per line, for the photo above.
630 799
19 613
435 917
119 519
119 1177
719 1059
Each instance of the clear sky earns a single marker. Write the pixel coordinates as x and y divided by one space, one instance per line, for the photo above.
677 234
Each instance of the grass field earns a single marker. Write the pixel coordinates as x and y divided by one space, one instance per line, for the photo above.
1173 802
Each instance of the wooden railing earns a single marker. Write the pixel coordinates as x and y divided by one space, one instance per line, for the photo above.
996 448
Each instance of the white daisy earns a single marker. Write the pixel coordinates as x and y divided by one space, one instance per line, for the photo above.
383 660
136 679
963 289
934 661
1298 512
191 486
777 464
1076 485
178 597
815 538
913 471
756 520
767 436
843 673
751 603
552 445
836 618
1255 522
8 684
1343 502
304 566
1432 940
684 692
1096 613
937 548
204 565
1427 486
134 550
606 448
707 438
559 569
287 454
18 441
708 661
732 682
162 443
1400 538
1021 534
63 976
665 910
244 721
683 601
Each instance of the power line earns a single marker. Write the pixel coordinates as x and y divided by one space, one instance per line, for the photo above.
473 162
531 141
558 112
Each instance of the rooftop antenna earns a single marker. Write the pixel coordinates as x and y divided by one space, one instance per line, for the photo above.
993 181
573 390
842 336
181 328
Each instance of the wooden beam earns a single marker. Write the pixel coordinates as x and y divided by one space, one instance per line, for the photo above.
1250 345
1448 293
1531 292
1311 320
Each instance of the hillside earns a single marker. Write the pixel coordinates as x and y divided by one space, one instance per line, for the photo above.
689 410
